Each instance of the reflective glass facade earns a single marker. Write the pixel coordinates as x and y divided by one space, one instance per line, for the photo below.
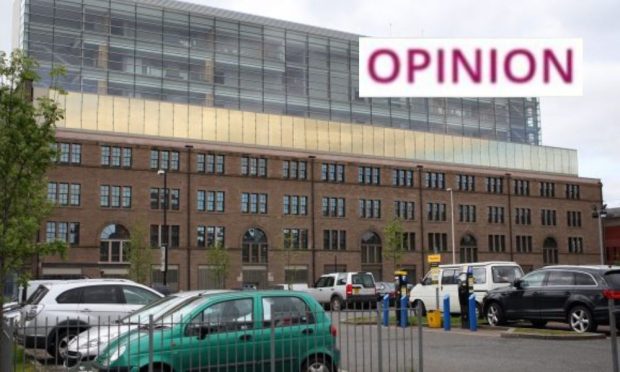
177 52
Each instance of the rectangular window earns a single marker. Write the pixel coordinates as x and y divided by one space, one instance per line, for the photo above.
75 195
200 163
294 169
370 208
52 190
548 217
402 177
496 215
63 153
174 160
116 157
210 236
408 241
369 175
253 203
495 185
572 191
547 189
467 213
295 238
334 239
74 233
256 167
573 218
575 245
436 211
437 242
294 205
523 216
154 159
331 172
115 200
50 232
127 157
201 236
215 201
200 200
333 207
105 155
159 236
175 199
497 243
435 180
524 243
466 182
522 187
210 163
104 196
76 153
126 202
404 210
63 194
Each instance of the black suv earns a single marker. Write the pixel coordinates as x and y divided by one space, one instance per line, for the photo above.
572 294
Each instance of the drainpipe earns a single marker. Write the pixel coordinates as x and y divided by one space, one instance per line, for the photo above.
420 168
510 248
189 208
312 218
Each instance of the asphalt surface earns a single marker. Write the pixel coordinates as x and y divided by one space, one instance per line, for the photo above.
463 350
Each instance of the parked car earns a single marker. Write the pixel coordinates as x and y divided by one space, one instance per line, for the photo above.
487 276
229 331
386 288
87 345
571 294
342 289
291 287
57 312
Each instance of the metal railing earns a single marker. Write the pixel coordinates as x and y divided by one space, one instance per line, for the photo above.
354 339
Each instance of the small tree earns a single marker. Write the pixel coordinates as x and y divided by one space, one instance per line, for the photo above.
27 136
393 248
219 263
140 257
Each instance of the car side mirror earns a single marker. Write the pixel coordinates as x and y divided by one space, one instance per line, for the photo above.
517 283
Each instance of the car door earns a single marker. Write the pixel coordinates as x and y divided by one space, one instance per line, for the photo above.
522 303
324 289
222 336
289 328
555 293
102 304
448 285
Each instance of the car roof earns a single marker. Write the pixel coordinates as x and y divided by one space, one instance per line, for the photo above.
90 282
206 292
484 263
589 268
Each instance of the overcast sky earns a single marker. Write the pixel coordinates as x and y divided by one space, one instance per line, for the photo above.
590 124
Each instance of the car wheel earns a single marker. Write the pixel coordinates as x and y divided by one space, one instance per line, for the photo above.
495 314
57 346
580 319
317 363
336 303
539 323
419 306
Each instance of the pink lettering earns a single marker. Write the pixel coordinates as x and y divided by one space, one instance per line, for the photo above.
395 65
413 66
508 65
458 58
550 58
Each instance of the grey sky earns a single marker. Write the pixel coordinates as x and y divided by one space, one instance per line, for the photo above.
589 124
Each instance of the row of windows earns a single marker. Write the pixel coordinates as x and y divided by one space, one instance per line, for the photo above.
68 232
111 196
116 156
64 194
165 198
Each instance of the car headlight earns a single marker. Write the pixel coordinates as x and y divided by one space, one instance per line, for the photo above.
117 353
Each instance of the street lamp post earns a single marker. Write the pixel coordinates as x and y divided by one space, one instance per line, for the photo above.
600 213
164 244
452 223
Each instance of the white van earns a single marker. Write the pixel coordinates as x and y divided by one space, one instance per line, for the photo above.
487 276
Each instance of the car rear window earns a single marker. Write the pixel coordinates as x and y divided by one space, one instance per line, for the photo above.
71 296
613 279
560 278
506 274
366 280
101 294
37 296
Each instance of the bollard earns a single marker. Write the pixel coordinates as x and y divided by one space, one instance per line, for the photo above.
403 311
473 319
446 313
386 310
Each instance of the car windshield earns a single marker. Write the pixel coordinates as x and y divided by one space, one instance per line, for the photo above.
157 307
506 274
181 311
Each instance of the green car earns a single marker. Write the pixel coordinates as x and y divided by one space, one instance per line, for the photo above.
233 331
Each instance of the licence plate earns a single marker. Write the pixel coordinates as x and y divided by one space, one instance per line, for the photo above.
356 291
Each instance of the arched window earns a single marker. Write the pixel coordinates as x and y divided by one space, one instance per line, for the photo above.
114 244
372 254
550 251
469 249
254 246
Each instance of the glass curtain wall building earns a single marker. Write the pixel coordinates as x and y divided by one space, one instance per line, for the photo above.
185 53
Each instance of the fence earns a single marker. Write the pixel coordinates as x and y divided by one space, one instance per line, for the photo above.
228 340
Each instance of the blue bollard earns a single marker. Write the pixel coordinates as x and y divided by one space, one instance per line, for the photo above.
446 313
404 301
473 319
386 310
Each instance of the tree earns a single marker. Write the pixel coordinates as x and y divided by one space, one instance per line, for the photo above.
140 257
219 263
27 137
393 248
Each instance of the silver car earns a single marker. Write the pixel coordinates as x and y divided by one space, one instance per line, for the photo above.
86 346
